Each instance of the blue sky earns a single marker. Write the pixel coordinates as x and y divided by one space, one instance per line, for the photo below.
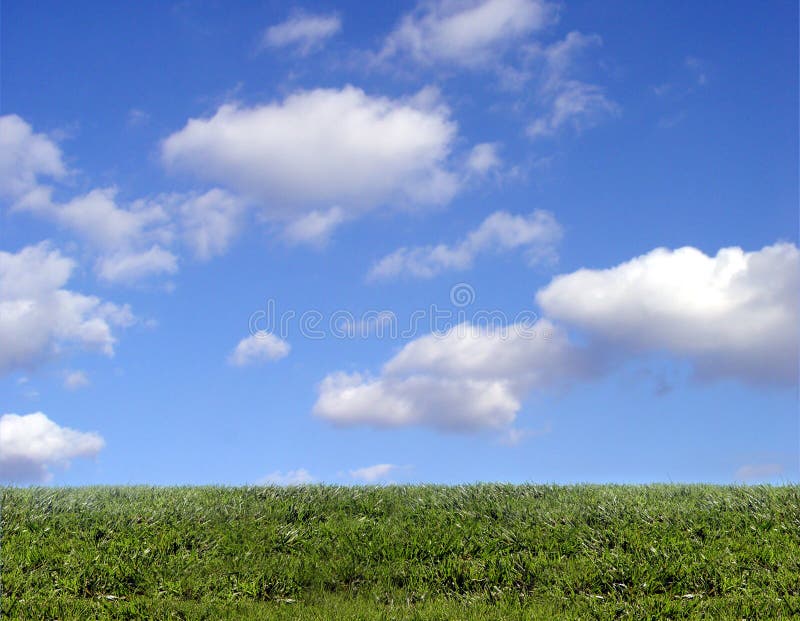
624 173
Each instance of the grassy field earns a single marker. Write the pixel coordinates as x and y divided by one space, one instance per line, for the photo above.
402 552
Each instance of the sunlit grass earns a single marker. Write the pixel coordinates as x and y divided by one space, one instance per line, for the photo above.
402 552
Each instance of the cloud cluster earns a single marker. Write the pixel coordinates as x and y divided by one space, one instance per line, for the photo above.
733 315
536 234
39 318
32 443
130 242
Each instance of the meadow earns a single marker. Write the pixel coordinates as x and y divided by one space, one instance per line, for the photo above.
402 552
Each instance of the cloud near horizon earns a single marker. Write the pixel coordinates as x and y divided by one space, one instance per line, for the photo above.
31 444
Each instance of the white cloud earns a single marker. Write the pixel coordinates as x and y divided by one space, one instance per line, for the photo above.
211 221
320 149
470 33
74 380
39 318
370 474
732 315
24 157
129 267
290 477
316 227
259 347
483 158
119 235
305 32
575 104
564 101
471 377
536 234
32 443
757 472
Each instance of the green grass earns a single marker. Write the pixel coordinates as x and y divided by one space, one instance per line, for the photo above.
402 552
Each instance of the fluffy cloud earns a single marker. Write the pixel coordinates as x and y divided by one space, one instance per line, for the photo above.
370 474
470 33
24 157
305 32
536 234
30 444
732 315
291 477
39 318
259 347
471 377
320 149
483 159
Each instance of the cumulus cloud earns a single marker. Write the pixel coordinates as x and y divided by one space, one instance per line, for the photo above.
305 32
73 380
257 348
320 149
39 318
300 476
370 474
732 315
471 377
32 443
536 234
25 156
470 33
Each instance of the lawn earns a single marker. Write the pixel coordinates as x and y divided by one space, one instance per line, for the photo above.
401 552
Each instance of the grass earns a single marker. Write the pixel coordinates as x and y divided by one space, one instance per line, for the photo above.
401 552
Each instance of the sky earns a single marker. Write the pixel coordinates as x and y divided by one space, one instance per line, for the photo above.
358 243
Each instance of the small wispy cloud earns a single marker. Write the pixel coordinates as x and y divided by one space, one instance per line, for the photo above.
304 32
301 476
371 474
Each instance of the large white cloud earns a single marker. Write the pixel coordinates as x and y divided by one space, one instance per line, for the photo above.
536 234
734 314
39 317
466 32
471 377
31 444
321 149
